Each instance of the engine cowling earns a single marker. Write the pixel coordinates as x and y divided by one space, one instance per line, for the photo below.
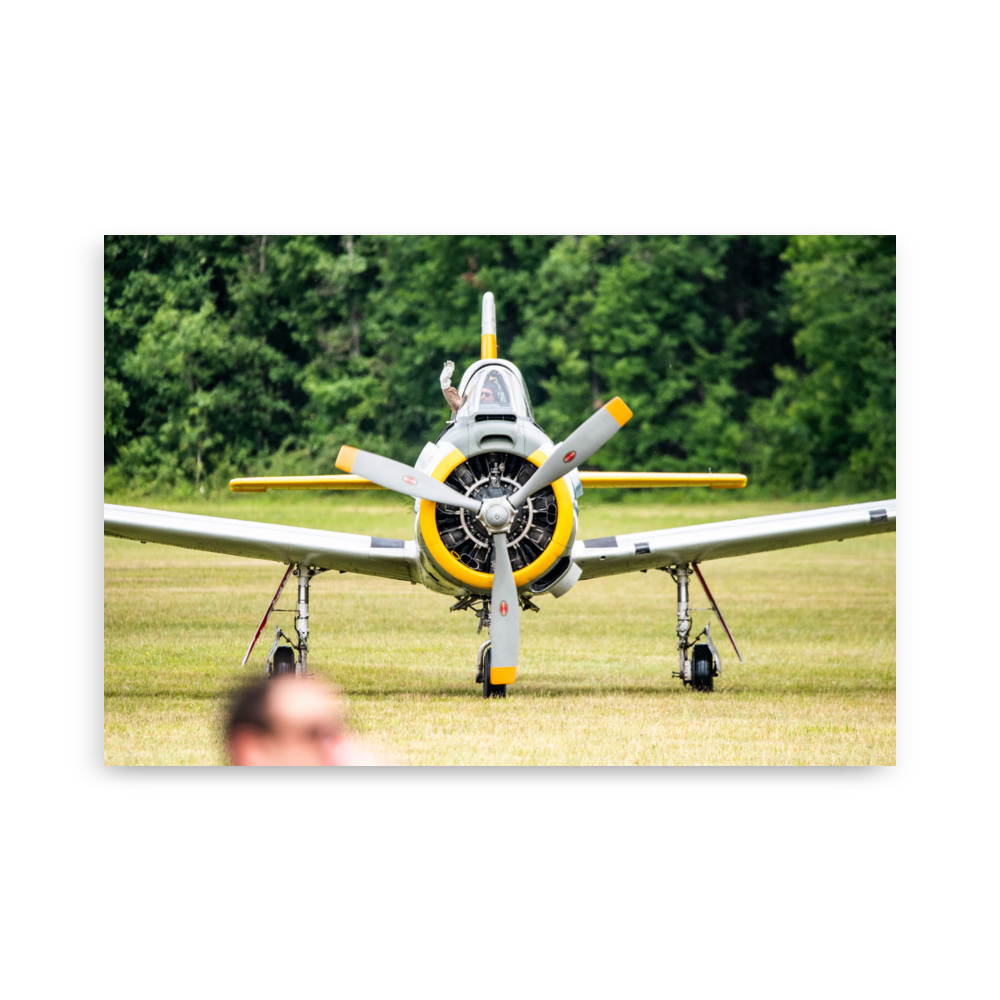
460 548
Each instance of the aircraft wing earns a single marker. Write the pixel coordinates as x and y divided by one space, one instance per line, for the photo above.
372 556
723 539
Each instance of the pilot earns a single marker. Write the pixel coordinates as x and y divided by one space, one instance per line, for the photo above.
493 389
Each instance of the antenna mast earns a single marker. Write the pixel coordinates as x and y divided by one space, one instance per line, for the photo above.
488 341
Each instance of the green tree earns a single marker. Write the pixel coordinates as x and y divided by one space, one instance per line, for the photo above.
832 419
242 355
661 322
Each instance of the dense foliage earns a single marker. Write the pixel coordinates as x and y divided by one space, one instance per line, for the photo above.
241 355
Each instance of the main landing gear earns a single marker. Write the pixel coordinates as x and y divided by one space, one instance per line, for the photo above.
291 659
704 665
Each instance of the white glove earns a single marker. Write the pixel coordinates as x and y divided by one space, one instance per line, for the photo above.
446 373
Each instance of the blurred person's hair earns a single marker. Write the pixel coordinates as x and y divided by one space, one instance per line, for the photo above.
248 708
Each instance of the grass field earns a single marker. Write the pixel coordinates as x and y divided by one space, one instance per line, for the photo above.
816 626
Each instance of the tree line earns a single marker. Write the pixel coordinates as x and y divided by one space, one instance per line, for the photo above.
249 355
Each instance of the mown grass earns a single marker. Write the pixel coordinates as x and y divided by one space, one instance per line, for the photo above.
816 626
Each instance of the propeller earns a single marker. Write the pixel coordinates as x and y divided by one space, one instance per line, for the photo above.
402 478
505 609
577 448
496 514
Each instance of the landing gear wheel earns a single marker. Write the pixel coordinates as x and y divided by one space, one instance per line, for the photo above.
702 666
491 690
283 662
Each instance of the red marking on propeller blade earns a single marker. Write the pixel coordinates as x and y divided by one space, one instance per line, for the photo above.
409 480
503 608
569 456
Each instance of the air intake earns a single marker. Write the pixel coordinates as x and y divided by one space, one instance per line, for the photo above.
541 585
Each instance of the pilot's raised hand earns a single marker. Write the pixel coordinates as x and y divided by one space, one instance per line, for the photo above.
455 401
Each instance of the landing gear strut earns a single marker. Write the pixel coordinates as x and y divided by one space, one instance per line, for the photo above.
281 660
700 669
490 690
483 658
302 618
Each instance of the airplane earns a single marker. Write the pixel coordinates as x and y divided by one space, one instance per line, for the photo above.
496 523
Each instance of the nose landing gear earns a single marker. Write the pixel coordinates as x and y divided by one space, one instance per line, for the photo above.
490 690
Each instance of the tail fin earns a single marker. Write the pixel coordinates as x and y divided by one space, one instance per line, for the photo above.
488 341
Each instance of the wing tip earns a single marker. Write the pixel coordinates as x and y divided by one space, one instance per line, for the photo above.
736 482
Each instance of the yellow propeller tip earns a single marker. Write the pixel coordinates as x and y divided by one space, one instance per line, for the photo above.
346 458
619 411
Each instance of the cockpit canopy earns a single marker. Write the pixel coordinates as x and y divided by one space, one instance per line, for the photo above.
494 387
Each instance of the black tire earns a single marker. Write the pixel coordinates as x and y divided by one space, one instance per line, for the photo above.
491 690
701 668
283 662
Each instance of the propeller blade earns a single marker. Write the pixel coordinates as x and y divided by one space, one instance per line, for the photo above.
577 448
715 607
401 478
505 610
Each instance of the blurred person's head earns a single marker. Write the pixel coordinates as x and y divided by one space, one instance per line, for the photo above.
287 721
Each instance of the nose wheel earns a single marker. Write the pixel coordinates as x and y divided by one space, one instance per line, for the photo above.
490 690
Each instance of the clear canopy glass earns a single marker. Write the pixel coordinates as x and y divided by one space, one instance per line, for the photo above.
496 389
